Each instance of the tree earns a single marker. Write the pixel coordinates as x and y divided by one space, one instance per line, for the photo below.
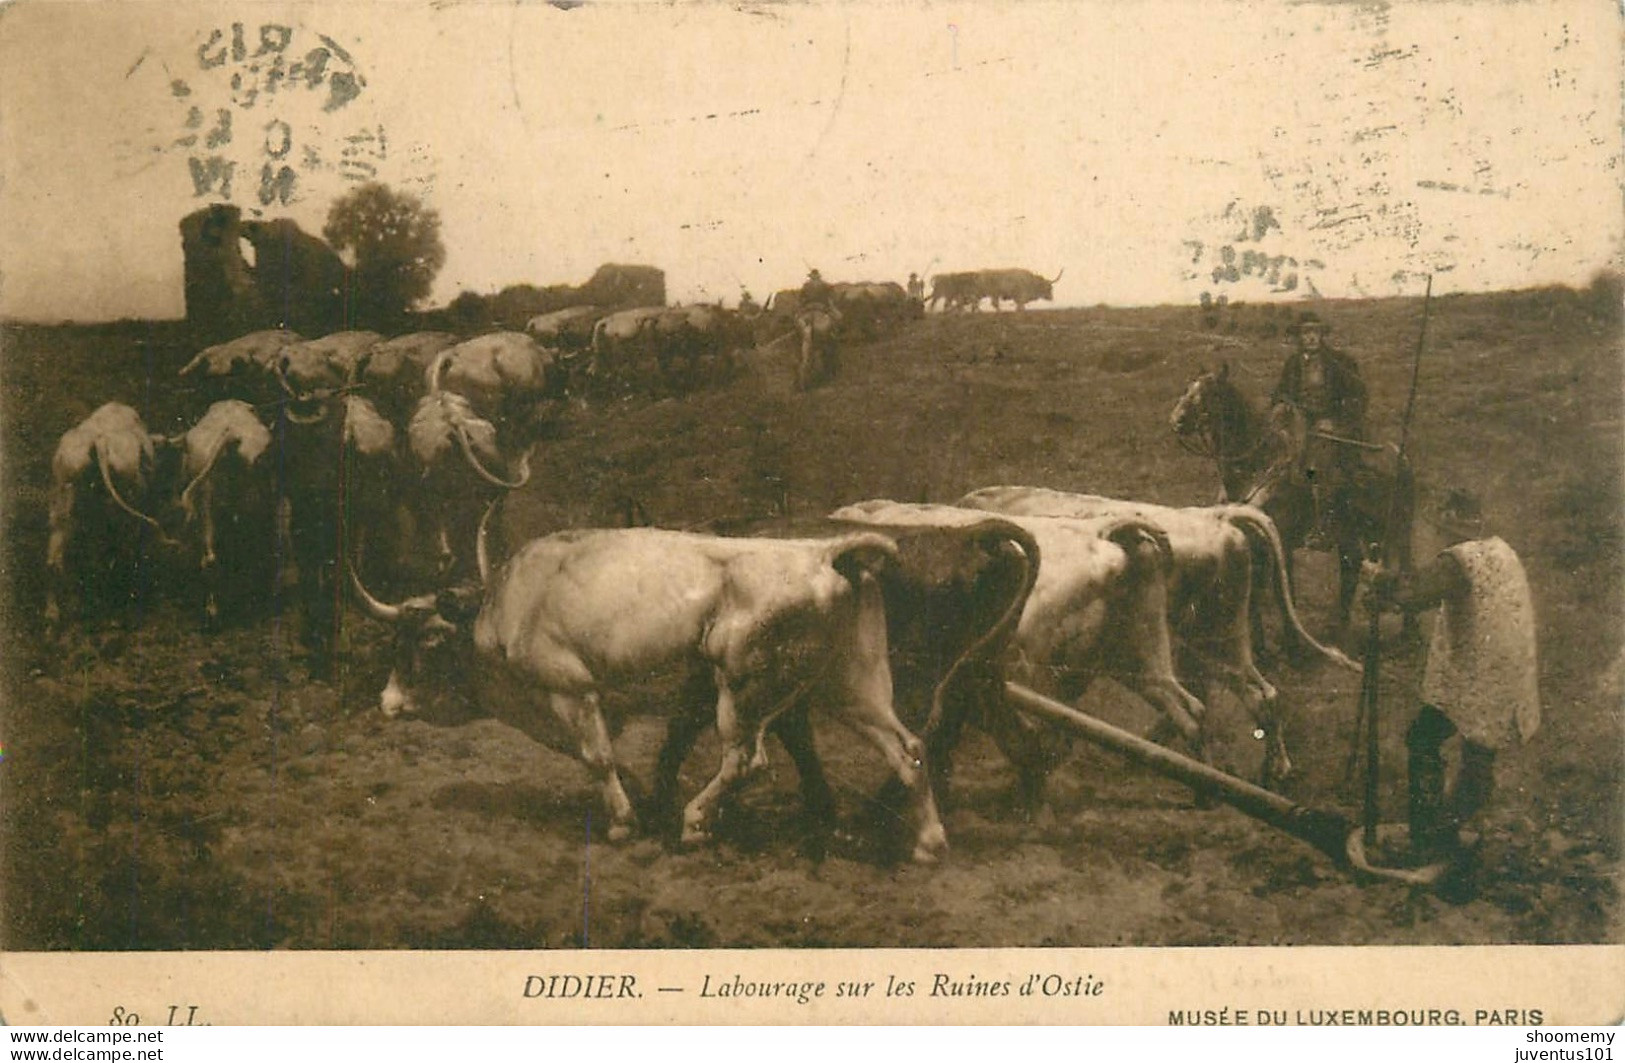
394 243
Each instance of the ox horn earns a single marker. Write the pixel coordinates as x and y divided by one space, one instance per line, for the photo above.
487 475
1056 279
371 606
482 551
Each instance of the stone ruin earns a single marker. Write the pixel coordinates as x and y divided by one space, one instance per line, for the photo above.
295 281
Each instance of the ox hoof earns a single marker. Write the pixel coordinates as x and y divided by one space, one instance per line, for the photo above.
693 836
931 846
928 854
619 832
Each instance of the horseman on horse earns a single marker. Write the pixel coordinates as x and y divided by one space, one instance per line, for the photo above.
1319 405
1303 463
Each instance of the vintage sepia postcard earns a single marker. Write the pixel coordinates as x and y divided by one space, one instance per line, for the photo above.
926 512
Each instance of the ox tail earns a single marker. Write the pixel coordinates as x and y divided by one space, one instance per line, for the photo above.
1132 534
188 506
1261 532
995 534
118 499
486 474
865 552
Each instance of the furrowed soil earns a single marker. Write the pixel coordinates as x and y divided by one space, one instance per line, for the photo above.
171 789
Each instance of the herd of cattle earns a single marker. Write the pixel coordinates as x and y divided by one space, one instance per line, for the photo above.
378 463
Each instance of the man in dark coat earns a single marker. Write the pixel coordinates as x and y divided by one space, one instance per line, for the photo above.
816 292
1321 399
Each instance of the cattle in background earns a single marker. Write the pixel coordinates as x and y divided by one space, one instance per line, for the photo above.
243 368
953 291
1209 603
393 373
952 599
327 364
508 378
568 330
1098 608
623 345
967 290
871 309
228 502
576 614
104 471
694 342
1020 286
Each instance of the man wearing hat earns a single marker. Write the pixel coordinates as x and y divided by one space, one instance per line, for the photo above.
1479 681
816 292
1321 398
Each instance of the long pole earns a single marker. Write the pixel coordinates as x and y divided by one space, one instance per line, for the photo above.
1326 830
1369 682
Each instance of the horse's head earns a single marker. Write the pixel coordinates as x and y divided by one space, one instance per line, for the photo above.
1194 413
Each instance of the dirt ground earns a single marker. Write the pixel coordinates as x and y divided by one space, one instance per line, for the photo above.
168 789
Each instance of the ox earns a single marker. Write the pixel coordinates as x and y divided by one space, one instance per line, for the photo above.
104 469
1020 286
685 337
952 598
229 502
621 342
869 309
509 379
452 453
1098 607
1212 550
577 613
568 331
954 291
393 374
243 368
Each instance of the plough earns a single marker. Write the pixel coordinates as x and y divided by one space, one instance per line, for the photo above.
1333 833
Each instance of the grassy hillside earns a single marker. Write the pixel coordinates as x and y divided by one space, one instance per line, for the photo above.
220 743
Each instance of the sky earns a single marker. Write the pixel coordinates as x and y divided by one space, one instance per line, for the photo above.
1152 151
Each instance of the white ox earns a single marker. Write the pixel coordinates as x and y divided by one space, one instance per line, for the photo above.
1098 606
579 612
103 470
455 467
1210 599
229 499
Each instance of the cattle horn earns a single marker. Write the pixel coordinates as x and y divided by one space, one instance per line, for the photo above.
487 475
1057 278
482 552
371 606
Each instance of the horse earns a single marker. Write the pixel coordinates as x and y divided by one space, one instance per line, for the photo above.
1370 518
820 351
